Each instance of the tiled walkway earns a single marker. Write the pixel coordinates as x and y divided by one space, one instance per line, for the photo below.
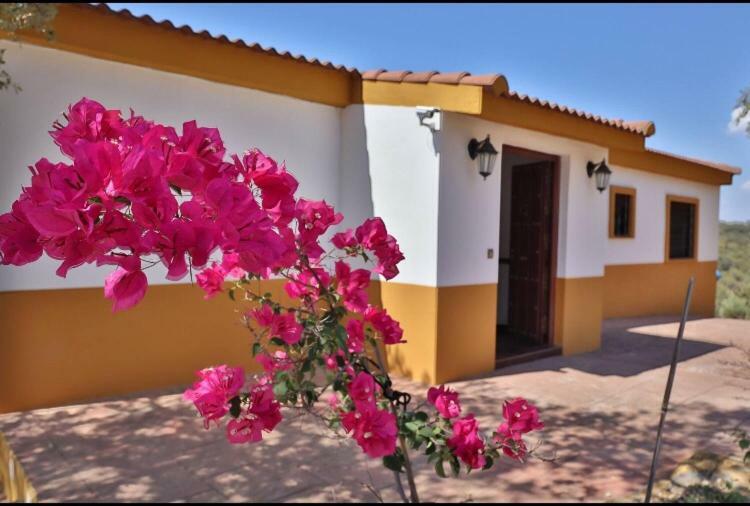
600 408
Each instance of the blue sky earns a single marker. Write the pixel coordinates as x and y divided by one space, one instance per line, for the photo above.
681 66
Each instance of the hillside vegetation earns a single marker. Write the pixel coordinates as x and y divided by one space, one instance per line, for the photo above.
733 288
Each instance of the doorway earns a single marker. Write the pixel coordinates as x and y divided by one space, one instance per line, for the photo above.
528 254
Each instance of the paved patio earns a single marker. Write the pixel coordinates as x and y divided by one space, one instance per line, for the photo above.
600 409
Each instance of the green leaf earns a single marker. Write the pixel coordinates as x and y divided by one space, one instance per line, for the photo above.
235 409
393 462
277 341
412 426
280 390
95 200
421 416
455 466
122 200
439 469
341 336
744 444
430 448
176 188
231 294
257 348
488 463
425 432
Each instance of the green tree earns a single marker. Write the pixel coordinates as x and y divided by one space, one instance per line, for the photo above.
733 288
35 17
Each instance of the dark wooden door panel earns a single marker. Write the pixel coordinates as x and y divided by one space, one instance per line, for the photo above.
530 248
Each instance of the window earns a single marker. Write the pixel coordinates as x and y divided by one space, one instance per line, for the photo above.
682 227
621 212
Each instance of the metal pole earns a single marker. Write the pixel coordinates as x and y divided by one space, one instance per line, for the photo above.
668 390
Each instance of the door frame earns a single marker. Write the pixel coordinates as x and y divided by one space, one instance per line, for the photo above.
554 229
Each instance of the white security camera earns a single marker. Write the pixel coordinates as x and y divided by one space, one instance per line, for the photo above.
429 117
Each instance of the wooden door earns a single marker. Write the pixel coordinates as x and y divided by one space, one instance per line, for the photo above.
530 251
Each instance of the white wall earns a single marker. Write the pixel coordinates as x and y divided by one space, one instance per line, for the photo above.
470 207
650 221
305 134
404 170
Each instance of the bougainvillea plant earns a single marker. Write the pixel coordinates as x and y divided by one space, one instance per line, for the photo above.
136 194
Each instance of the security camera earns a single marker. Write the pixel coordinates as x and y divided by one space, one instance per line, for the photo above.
429 117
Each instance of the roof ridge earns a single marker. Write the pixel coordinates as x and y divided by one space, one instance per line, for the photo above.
645 128
188 30
496 83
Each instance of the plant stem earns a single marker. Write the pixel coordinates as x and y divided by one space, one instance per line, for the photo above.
402 442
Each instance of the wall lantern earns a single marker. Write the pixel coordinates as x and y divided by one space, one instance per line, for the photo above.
601 173
486 153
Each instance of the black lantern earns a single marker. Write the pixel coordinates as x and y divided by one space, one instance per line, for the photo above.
601 173
486 153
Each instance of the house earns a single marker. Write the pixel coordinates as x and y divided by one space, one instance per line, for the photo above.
527 260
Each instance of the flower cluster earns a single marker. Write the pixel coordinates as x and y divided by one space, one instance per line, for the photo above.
136 194
374 429
465 441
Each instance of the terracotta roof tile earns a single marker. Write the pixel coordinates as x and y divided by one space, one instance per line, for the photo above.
393 75
219 38
496 82
644 128
448 77
419 77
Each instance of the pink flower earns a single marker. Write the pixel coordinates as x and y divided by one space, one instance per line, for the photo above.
356 336
445 401
230 262
512 444
352 286
211 280
126 288
521 416
313 219
88 121
305 284
330 361
373 236
277 361
211 394
19 241
345 239
332 400
283 326
374 430
136 189
466 444
389 329
262 414
362 390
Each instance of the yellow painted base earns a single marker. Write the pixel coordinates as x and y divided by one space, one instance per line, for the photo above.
415 307
66 346
578 314
450 331
467 317
658 289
